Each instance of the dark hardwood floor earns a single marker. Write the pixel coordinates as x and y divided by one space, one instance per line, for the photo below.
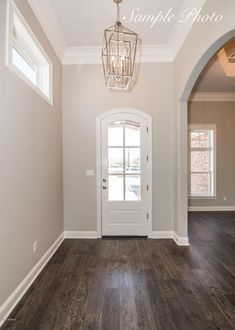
138 283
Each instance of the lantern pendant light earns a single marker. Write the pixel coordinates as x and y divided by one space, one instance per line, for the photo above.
119 54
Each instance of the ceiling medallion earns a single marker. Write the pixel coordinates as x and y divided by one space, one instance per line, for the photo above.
118 55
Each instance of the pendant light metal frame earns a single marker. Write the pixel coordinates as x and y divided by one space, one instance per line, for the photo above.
119 54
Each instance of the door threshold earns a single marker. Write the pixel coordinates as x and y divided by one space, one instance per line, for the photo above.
124 237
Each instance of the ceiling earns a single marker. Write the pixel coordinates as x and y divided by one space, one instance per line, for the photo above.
213 77
84 21
76 27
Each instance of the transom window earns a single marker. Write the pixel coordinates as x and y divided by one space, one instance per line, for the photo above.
202 161
124 161
25 55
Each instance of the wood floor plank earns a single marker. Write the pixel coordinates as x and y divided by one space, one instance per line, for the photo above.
111 310
132 284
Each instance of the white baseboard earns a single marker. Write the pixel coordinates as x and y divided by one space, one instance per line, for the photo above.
181 241
211 208
161 234
18 293
81 234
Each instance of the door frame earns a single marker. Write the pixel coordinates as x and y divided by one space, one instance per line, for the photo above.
99 119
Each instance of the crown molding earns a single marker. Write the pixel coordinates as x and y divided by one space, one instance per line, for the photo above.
213 97
92 55
82 55
154 53
45 14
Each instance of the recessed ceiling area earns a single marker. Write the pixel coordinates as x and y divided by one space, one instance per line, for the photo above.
76 27
83 21
213 78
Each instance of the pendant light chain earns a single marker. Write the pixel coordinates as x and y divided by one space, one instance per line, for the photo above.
118 25
118 13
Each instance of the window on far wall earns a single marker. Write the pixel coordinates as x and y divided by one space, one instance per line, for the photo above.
26 56
202 164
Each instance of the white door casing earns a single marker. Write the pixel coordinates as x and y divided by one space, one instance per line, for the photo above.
124 173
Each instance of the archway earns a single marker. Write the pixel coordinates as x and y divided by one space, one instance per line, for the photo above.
183 133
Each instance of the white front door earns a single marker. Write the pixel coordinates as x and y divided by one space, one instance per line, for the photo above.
125 175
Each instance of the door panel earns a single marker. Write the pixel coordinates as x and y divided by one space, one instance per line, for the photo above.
125 153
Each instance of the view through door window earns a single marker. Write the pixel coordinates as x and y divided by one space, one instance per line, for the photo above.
202 162
124 161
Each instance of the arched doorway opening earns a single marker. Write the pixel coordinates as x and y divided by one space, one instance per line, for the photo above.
182 176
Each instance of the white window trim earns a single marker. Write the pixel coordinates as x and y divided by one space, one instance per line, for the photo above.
11 9
203 127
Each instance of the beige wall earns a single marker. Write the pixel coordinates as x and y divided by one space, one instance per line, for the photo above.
85 96
223 115
31 204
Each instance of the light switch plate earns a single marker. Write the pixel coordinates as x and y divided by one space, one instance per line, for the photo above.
90 173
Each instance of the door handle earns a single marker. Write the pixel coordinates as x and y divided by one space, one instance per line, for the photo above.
104 187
